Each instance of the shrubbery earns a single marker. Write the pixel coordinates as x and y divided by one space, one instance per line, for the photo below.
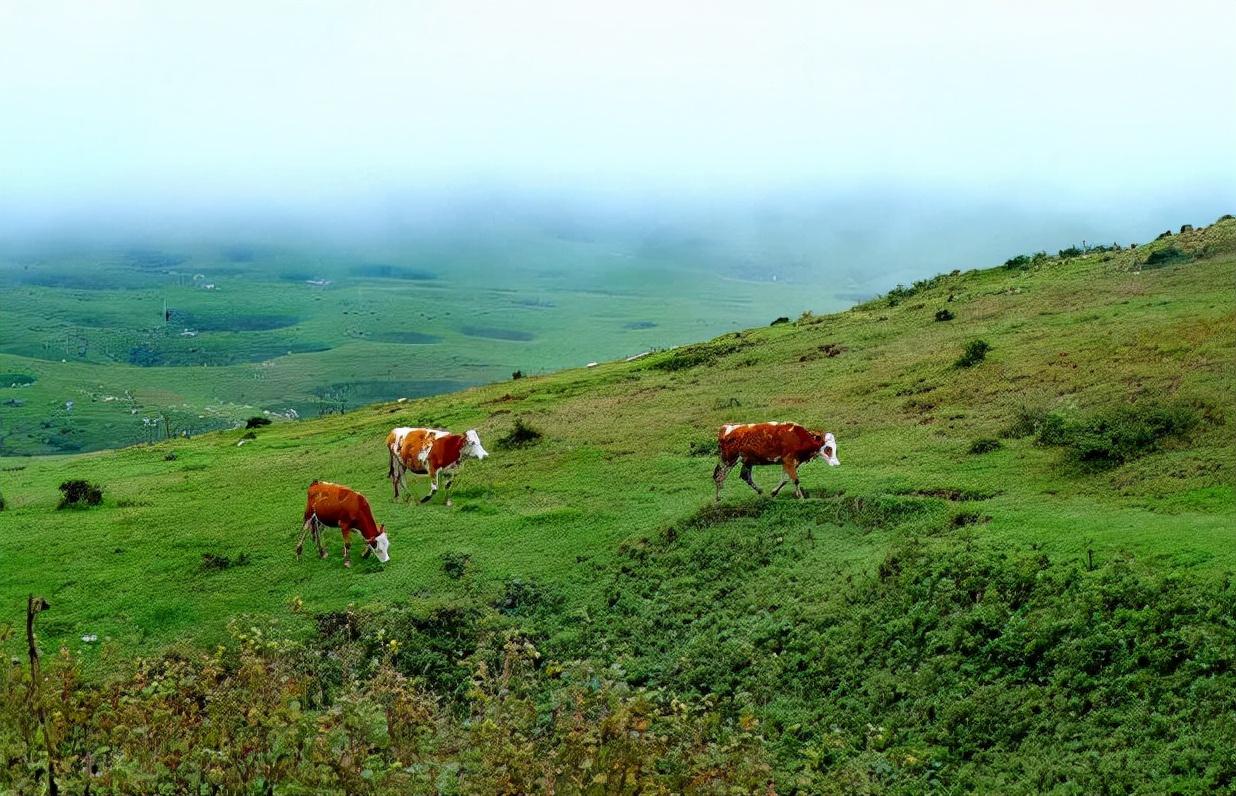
974 353
1110 437
1165 256
954 667
78 494
944 315
521 435
257 422
985 445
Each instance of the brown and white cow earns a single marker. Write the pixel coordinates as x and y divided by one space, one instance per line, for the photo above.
348 510
787 444
432 452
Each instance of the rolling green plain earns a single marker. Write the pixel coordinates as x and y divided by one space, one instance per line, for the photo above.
941 614
283 330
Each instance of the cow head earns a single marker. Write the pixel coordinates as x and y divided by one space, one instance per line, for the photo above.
381 545
828 451
473 446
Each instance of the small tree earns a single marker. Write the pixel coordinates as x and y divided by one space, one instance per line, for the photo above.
78 493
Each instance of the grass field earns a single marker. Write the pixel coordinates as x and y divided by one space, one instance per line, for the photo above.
606 520
249 332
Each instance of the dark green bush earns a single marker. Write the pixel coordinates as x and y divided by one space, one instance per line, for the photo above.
985 445
521 435
975 352
779 321
257 422
944 315
78 493
1021 261
1165 256
213 562
1111 437
1071 251
455 564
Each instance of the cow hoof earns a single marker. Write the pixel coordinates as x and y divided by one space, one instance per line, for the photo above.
347 564
321 554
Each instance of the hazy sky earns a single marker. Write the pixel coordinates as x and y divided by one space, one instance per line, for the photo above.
107 102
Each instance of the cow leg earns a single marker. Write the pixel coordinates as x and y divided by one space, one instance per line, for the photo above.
791 474
746 476
719 474
300 544
317 536
785 479
347 543
433 486
395 477
450 479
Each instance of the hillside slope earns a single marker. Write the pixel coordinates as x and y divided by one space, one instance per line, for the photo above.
601 536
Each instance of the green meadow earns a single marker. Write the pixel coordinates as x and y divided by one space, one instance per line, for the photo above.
301 332
1018 580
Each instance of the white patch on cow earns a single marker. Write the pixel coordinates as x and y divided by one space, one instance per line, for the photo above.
473 448
381 547
828 451
728 429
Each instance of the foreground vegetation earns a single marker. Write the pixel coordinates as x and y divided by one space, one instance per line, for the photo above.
1019 580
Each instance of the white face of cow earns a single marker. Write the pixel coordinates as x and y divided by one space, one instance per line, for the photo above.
381 547
473 448
828 451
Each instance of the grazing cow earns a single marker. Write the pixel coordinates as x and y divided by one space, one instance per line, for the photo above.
432 452
345 509
787 444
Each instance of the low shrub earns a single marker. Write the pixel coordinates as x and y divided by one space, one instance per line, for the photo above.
257 422
944 315
985 445
1165 256
519 374
975 352
79 494
1111 437
3 505
779 321
455 564
1021 261
521 435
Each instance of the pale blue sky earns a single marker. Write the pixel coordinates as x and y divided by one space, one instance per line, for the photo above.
108 103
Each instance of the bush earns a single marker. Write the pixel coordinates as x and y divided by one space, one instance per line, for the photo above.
1021 261
976 352
985 445
79 493
1026 422
1111 437
519 374
779 321
521 436
3 505
1072 251
257 422
456 564
1165 256
944 315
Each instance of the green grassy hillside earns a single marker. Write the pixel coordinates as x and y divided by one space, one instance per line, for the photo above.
1083 464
